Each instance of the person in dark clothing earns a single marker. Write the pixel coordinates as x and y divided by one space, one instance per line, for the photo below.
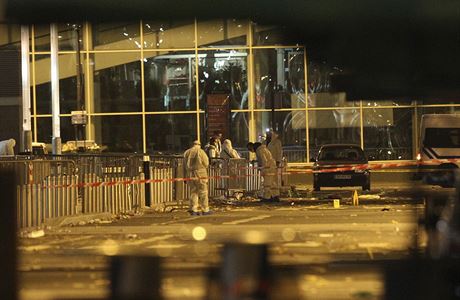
211 149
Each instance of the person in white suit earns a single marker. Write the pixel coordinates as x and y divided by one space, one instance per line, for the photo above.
267 165
7 147
273 144
228 151
196 165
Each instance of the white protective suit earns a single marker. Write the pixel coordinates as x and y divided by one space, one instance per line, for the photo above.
218 145
268 171
196 164
276 148
228 151
7 147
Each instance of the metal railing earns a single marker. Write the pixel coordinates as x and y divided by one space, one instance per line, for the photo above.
166 168
103 165
56 198
29 171
62 185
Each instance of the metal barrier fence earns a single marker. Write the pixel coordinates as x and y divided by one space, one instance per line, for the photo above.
168 168
108 168
56 186
36 203
112 195
217 184
233 175
30 171
62 185
225 177
104 165
45 188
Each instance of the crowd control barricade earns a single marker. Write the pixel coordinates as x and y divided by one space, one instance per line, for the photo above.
45 189
104 165
217 172
163 171
231 176
112 194
30 171
239 173
103 181
254 179
283 175
51 186
55 197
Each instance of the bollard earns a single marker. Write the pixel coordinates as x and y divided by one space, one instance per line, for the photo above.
336 203
135 277
179 186
8 275
146 165
355 198
245 272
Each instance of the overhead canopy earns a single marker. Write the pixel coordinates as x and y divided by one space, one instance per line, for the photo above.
387 49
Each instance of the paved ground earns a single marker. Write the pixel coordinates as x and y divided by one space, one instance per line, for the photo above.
317 251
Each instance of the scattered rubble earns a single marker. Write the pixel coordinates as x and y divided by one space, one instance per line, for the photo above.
35 234
369 197
326 235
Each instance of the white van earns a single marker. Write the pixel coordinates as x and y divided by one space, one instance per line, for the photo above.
439 140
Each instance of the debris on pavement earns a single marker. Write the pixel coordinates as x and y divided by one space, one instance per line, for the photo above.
105 222
325 235
131 236
363 295
386 209
36 234
169 209
292 192
369 197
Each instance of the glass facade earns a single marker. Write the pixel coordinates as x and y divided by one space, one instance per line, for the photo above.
155 86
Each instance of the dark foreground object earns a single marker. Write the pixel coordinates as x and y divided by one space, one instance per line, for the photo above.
423 279
135 277
8 276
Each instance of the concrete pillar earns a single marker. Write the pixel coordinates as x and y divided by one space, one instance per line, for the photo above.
55 89
280 72
26 144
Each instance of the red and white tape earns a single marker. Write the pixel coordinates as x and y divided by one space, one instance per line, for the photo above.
325 169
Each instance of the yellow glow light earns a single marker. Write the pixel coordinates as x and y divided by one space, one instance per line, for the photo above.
288 234
255 237
110 247
199 233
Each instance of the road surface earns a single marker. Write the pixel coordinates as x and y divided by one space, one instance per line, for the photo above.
317 251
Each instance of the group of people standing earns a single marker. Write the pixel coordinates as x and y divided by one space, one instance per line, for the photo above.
217 149
269 158
196 160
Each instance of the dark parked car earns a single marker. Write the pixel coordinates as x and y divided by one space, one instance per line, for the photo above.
334 156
